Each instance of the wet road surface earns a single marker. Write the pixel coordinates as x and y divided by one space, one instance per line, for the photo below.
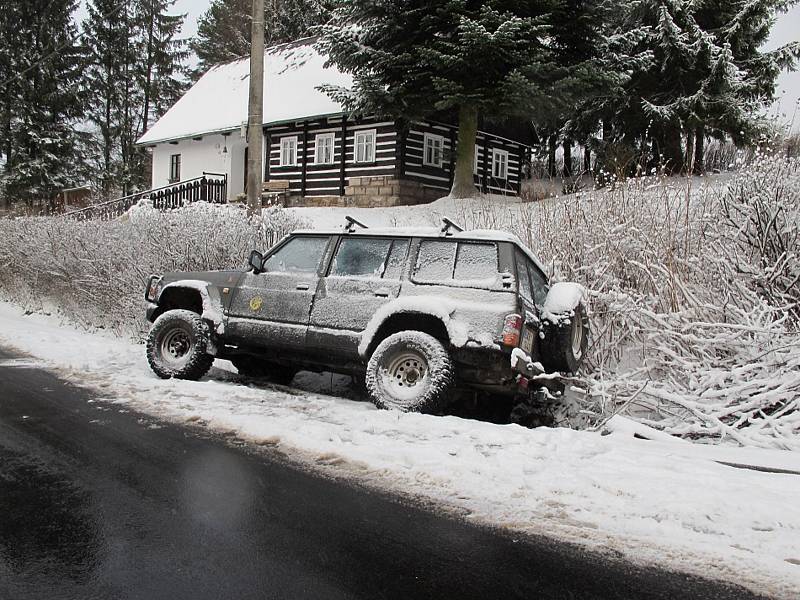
98 503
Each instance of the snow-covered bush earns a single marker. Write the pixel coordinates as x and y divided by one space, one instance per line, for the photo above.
695 298
694 295
94 272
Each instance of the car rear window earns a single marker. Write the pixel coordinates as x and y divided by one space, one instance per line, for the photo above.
448 260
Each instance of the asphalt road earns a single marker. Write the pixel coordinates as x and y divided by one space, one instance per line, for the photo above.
100 503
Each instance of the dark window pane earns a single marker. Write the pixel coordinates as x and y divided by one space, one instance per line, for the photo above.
397 258
522 276
299 255
435 260
538 283
361 257
476 261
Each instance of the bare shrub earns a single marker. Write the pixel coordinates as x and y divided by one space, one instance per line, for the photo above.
94 272
693 295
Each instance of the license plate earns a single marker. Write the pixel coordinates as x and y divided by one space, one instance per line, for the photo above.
526 343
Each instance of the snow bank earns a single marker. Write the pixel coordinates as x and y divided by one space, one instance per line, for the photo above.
666 503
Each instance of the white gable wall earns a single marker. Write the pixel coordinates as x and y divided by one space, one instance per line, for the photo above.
201 155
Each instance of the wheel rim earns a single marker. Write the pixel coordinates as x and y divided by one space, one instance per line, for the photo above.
406 374
175 347
577 337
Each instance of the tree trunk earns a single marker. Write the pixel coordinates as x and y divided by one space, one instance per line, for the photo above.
463 179
673 153
689 167
587 158
699 150
551 156
567 158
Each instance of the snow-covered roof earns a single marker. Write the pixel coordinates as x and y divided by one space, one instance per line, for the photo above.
218 101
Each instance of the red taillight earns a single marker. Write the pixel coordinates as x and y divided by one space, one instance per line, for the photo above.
512 327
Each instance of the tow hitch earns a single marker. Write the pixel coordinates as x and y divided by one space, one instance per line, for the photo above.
547 399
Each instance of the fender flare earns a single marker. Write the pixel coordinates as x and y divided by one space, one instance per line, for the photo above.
437 308
209 296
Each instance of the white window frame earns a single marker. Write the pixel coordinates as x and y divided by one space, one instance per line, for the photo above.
437 160
361 138
319 158
499 159
289 151
475 160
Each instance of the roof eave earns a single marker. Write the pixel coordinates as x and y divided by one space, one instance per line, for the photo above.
148 143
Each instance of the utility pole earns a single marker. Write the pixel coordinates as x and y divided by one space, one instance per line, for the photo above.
255 113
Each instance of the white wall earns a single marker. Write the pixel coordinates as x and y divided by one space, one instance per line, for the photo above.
201 155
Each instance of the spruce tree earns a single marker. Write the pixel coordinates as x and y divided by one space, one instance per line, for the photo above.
707 75
223 32
410 60
42 100
160 70
135 72
106 35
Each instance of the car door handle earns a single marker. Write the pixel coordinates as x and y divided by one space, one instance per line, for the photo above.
382 293
302 286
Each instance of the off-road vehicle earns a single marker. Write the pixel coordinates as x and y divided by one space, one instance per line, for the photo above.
414 313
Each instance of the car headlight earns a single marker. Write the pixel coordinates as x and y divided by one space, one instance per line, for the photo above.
153 288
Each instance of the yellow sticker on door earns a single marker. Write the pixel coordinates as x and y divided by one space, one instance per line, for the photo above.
255 303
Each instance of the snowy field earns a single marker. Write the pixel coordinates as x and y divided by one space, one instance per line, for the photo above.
663 502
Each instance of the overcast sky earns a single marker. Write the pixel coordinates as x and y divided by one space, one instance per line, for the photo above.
787 29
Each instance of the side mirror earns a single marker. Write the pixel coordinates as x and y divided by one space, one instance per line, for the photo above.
256 261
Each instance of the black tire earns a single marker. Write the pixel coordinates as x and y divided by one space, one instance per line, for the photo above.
410 371
252 366
176 346
564 345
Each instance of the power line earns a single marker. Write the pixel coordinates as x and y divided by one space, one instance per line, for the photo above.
66 44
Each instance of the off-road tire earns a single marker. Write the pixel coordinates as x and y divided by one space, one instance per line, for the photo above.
174 333
558 352
252 366
410 371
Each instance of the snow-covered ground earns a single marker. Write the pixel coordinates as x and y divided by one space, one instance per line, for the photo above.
663 502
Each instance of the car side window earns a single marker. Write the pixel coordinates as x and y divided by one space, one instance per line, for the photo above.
523 278
301 254
435 260
397 258
538 283
361 257
446 260
475 261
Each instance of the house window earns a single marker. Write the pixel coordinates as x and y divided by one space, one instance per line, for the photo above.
323 147
475 160
289 151
174 168
499 163
365 146
434 146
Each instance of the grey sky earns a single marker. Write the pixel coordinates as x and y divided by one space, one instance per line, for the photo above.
787 29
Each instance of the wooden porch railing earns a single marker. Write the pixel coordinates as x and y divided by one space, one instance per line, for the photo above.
210 187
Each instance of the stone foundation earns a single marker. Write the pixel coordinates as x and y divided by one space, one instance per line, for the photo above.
372 192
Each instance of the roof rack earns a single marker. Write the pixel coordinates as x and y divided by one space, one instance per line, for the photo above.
351 223
447 225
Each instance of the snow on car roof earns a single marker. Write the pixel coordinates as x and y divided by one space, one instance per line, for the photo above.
218 101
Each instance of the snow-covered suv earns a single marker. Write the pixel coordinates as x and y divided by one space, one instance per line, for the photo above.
415 313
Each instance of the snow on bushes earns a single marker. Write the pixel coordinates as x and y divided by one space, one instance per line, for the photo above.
695 299
94 272
694 293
